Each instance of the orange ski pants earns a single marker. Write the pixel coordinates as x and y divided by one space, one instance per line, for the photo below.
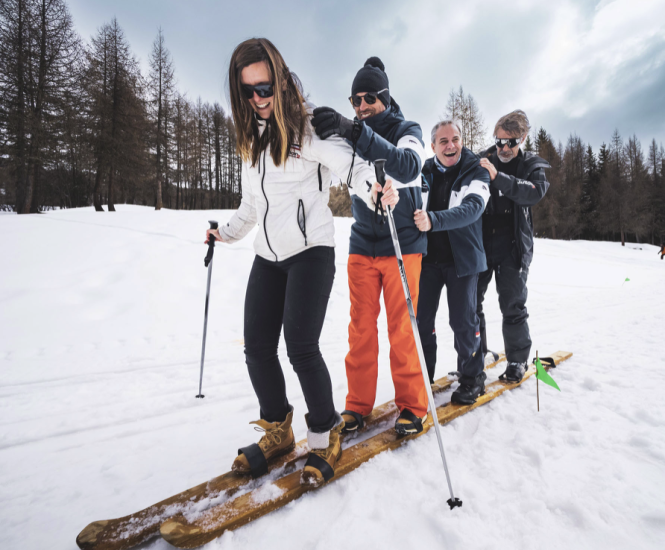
367 278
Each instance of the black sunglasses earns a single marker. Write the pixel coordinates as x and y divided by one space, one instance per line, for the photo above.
512 142
262 90
370 98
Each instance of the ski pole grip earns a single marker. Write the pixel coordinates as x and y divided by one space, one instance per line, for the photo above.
211 243
380 171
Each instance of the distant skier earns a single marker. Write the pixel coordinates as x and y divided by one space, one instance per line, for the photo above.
458 193
284 163
518 182
661 251
379 131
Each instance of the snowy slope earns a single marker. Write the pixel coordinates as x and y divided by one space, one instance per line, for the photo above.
100 332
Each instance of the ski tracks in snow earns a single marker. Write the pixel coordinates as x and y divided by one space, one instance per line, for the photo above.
100 335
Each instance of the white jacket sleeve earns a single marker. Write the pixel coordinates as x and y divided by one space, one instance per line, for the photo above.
335 153
244 220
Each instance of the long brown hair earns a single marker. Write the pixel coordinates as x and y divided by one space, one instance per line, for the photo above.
287 122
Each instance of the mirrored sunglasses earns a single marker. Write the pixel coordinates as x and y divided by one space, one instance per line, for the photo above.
511 142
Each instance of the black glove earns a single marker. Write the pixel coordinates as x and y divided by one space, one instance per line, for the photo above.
328 122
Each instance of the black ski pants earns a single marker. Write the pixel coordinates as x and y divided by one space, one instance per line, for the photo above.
461 294
293 293
512 291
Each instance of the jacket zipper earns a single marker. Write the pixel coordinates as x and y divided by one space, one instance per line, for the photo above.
265 217
452 248
303 225
375 235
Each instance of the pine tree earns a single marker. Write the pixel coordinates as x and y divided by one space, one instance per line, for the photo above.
546 213
528 144
613 217
118 116
38 72
639 212
603 159
589 210
161 83
568 194
656 192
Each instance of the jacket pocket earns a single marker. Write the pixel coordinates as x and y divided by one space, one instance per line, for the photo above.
301 219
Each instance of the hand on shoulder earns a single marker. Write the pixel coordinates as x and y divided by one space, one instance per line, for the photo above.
487 165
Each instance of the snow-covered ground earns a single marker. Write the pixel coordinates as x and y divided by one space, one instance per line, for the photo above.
100 336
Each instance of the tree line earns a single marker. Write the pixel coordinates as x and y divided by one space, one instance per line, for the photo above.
81 125
616 193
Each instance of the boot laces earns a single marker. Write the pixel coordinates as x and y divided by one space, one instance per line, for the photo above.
270 438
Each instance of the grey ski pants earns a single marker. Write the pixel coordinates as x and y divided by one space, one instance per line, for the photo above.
512 291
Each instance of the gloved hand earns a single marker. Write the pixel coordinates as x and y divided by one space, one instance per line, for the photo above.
328 122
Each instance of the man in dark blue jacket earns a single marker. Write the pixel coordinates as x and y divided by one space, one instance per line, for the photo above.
379 131
458 193
518 182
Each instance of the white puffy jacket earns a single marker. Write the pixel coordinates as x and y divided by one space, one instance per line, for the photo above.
290 202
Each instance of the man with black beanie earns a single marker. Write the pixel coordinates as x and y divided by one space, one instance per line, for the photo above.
379 131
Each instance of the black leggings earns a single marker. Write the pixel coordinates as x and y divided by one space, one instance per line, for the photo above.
293 292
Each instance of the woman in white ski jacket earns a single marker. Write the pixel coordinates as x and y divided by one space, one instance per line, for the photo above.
285 174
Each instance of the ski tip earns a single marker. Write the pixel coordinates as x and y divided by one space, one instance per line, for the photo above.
454 503
88 537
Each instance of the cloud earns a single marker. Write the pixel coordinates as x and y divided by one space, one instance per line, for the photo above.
584 66
602 70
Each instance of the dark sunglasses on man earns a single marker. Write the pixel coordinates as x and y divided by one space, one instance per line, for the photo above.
511 142
370 98
262 90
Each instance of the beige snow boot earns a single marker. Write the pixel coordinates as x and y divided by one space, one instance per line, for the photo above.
277 440
326 449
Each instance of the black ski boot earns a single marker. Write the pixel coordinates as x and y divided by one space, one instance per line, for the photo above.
408 423
469 390
353 421
514 372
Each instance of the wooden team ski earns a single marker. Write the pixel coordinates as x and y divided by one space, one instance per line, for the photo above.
129 531
212 523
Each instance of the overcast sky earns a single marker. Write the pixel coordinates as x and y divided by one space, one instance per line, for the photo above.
575 66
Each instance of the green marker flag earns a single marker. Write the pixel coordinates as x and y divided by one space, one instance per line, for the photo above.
627 279
543 375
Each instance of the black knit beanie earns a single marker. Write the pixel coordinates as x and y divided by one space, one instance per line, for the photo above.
372 78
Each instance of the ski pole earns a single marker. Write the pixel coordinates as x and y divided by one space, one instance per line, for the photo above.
379 168
208 263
